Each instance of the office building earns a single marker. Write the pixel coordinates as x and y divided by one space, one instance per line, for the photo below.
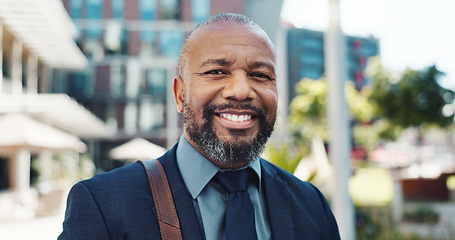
305 51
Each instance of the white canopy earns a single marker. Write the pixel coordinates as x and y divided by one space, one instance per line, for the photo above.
45 29
137 148
20 131
58 110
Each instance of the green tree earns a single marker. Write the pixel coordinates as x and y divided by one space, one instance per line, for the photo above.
412 99
308 111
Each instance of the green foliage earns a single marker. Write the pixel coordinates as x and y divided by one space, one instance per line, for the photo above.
373 223
423 214
413 99
368 135
394 102
308 111
283 155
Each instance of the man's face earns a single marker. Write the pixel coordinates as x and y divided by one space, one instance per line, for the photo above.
228 93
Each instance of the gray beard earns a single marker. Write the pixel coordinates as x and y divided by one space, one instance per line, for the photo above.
226 152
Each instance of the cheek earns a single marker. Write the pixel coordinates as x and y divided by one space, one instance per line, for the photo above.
201 93
270 100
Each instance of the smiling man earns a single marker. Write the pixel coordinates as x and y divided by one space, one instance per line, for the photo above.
227 91
222 189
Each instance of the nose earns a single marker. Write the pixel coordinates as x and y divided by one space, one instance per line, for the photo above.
238 87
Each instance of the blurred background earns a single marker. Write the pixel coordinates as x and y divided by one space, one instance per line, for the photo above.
86 88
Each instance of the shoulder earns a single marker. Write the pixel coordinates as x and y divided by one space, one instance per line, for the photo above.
117 180
110 203
113 186
120 175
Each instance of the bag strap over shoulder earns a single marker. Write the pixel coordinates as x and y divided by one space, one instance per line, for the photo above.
162 197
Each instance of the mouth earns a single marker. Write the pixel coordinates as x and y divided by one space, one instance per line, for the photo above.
236 117
236 120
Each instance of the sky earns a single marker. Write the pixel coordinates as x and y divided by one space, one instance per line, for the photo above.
412 33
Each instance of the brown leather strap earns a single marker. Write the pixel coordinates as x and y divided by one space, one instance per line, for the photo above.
164 204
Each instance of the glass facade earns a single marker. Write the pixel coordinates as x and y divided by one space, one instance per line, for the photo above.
200 10
117 83
170 9
117 8
133 79
147 10
80 85
306 57
94 11
130 118
75 9
156 81
170 42
151 114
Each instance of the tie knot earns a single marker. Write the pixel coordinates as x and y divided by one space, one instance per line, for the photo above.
233 181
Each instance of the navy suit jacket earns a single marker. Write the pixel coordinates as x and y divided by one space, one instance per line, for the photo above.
119 205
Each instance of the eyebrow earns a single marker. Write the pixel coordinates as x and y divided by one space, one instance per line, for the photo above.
225 62
263 64
221 62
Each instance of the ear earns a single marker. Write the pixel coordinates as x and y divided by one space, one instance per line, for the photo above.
178 89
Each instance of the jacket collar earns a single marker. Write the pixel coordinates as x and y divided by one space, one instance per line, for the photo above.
278 203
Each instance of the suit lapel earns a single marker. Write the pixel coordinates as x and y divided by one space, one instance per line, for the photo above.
186 212
278 204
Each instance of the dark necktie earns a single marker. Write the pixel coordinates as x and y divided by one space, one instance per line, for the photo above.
239 210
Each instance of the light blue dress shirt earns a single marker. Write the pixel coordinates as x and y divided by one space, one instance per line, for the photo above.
210 199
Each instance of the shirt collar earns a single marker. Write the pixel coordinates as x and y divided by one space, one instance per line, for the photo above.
197 171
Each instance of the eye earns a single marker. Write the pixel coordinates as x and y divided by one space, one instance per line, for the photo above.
260 75
215 72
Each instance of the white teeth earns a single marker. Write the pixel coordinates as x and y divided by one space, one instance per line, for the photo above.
236 118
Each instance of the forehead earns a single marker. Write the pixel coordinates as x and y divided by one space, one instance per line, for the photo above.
210 39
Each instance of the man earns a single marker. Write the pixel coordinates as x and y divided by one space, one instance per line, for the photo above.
226 90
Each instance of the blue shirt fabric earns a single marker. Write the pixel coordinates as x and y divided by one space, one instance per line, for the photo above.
210 199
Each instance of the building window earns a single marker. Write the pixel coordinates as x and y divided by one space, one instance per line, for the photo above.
313 59
156 81
312 43
75 8
130 116
200 10
117 84
151 114
111 119
148 43
170 42
94 11
312 73
117 8
147 10
114 38
133 79
80 85
170 9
